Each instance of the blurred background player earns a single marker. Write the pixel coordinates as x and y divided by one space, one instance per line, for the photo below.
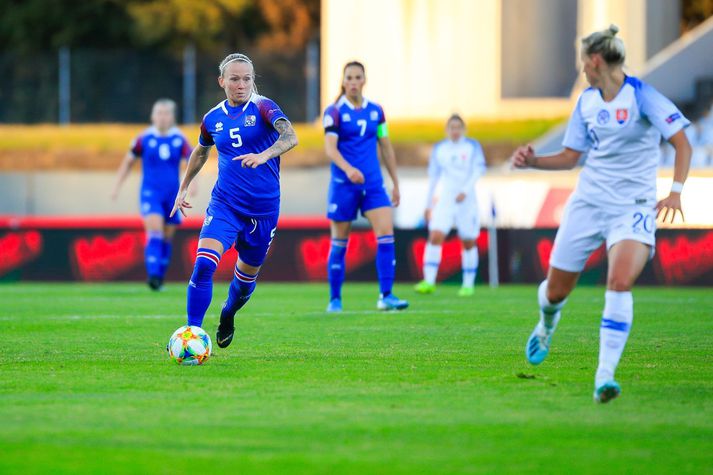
161 148
457 162
353 127
619 122
250 132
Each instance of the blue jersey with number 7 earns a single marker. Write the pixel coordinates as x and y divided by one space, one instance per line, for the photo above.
356 130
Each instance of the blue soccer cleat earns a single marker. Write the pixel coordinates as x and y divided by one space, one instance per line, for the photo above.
391 302
335 305
606 392
538 345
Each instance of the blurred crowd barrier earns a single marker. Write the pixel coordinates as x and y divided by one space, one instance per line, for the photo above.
111 249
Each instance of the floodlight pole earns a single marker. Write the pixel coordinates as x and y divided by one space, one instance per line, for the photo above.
493 248
189 84
64 86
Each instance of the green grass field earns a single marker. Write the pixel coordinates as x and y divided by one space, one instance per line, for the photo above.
86 386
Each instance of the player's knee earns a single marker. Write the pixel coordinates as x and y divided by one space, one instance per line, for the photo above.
468 244
619 283
205 265
436 238
557 293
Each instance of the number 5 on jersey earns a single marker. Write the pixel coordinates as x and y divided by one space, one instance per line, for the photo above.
235 135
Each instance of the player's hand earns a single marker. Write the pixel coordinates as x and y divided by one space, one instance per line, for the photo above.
427 215
460 197
395 196
180 203
671 203
355 176
523 157
251 160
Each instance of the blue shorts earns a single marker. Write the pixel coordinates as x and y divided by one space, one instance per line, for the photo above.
345 199
159 202
252 236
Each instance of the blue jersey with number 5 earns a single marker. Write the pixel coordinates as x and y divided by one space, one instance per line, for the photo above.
161 156
235 131
356 129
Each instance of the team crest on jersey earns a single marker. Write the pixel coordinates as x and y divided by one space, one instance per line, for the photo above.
346 117
374 115
603 117
219 127
152 143
622 115
249 120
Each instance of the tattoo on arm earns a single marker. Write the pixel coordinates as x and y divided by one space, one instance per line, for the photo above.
286 141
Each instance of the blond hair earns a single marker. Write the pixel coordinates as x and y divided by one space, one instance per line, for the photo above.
606 44
240 58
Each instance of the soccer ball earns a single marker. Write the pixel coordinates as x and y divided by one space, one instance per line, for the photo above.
189 345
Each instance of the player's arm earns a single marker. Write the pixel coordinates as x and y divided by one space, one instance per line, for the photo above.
434 174
198 158
681 164
524 157
284 143
476 170
330 148
389 157
122 173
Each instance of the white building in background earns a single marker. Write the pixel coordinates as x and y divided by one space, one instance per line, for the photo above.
482 58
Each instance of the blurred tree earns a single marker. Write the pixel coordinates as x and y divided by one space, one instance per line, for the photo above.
694 13
291 23
37 25
173 23
40 25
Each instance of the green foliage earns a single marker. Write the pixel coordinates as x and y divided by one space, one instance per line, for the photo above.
86 386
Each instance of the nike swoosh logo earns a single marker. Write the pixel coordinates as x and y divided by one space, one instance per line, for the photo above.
226 338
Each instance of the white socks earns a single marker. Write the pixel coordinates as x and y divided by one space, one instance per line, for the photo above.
431 261
549 312
616 323
469 261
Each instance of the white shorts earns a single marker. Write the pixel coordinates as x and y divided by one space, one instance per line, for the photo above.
585 226
463 215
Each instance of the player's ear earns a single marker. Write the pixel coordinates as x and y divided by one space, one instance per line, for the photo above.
220 81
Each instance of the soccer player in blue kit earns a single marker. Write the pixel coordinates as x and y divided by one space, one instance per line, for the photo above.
161 149
250 132
618 122
354 126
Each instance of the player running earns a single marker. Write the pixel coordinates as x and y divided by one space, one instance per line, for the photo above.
250 132
354 126
161 147
457 162
618 122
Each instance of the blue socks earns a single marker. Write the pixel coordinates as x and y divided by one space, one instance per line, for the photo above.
153 253
385 263
200 287
336 267
166 248
241 288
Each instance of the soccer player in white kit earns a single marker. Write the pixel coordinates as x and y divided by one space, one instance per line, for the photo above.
618 122
457 163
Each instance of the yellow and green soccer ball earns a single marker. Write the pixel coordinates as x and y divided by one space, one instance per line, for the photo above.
189 346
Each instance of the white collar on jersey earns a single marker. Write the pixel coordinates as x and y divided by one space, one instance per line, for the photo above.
153 130
247 103
343 100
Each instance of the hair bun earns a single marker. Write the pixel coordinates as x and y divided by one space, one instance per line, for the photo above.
613 29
